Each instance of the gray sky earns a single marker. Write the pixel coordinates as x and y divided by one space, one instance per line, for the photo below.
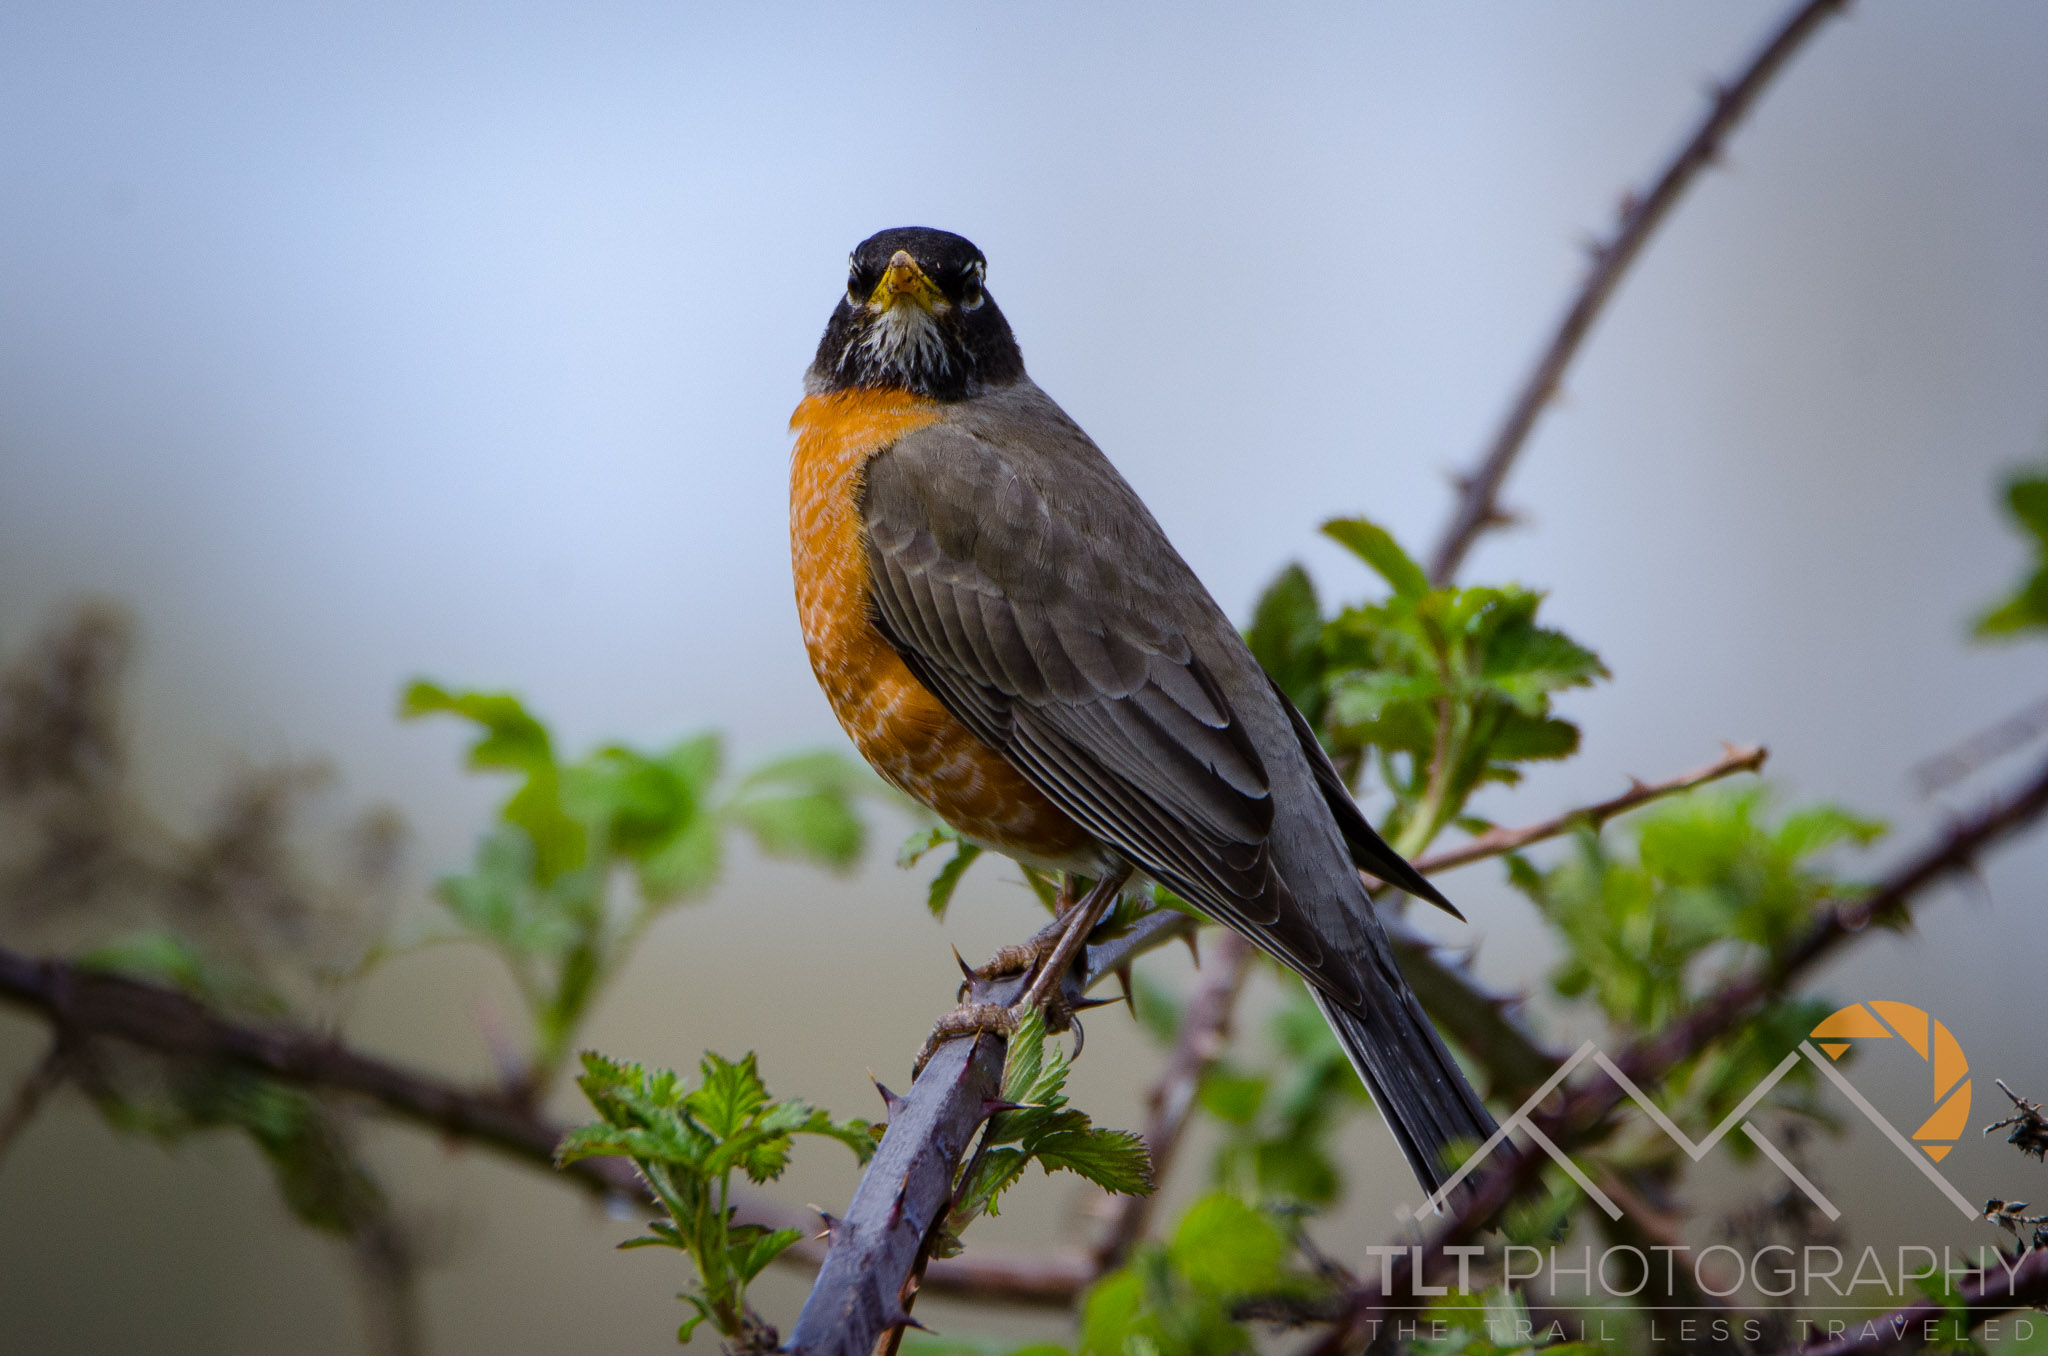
347 343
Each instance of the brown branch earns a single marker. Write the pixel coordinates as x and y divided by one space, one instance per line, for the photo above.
1204 1032
1479 493
1500 842
1927 1321
1943 770
1586 1108
85 1004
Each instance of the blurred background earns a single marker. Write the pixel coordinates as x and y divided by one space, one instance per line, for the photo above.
343 344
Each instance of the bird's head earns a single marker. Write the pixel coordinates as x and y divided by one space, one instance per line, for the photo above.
916 317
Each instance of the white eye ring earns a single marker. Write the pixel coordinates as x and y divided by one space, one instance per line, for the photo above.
971 296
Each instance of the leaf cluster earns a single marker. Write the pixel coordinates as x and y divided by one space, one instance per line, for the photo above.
687 1143
1040 1127
1175 1298
1442 689
539 890
1711 878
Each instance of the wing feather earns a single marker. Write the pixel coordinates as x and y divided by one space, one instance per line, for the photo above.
1069 662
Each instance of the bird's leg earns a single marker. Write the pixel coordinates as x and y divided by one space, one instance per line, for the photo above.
1019 957
1051 952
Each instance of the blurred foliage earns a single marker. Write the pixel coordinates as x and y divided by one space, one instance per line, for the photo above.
1175 1298
1710 885
687 1144
2026 609
1280 1118
541 888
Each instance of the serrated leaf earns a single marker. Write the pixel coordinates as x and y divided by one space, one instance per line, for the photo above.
729 1096
1523 739
764 1250
1115 1160
1376 547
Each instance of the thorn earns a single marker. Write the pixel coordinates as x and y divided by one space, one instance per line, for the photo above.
991 1106
1194 948
890 1101
1637 786
830 1220
901 1319
1083 1004
965 968
1123 978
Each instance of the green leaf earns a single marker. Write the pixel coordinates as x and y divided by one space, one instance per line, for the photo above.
1286 637
1522 739
1224 1245
513 740
730 1095
1527 663
2026 499
948 877
1376 547
1232 1097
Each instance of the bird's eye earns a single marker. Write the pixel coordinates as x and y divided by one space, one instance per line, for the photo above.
970 287
855 293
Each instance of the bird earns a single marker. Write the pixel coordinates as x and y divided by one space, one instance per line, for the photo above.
1007 635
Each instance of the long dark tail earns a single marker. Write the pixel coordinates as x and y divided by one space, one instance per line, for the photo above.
1418 1087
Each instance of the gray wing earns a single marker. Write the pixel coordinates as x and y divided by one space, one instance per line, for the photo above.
1037 599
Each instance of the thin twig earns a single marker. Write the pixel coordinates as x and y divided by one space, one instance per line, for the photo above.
2008 736
1479 493
1586 1108
1500 842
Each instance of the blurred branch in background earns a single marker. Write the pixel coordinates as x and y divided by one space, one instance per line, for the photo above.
1478 506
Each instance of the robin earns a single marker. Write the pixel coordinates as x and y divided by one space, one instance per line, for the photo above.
1009 637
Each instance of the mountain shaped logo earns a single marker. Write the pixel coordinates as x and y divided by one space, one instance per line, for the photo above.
1877 1019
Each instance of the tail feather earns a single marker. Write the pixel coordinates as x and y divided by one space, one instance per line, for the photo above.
1420 1090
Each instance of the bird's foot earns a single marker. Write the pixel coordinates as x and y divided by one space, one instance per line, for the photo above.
969 1019
1045 959
1018 958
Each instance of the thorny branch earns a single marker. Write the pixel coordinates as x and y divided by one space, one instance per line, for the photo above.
84 1004
1499 842
1585 1109
1478 505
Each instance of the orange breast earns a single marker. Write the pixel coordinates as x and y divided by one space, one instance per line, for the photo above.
899 727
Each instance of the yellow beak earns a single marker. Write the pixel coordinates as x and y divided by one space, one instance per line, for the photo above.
904 281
